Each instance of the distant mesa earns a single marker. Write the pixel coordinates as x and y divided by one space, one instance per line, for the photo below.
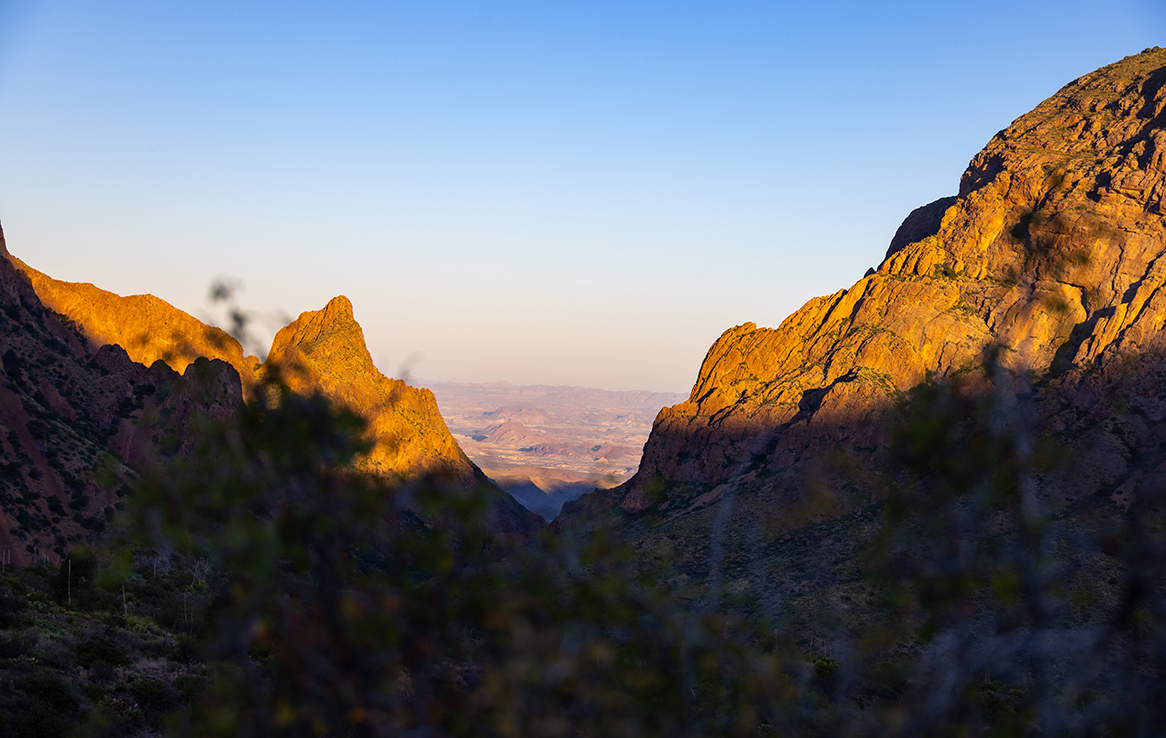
579 437
513 433
527 415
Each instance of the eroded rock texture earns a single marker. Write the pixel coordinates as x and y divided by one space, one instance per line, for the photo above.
1052 252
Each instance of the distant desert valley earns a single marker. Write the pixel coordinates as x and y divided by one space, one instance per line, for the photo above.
547 445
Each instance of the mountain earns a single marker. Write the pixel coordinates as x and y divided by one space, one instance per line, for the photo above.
1050 260
321 351
324 351
542 490
149 329
73 413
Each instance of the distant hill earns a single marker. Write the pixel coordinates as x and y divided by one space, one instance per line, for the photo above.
566 440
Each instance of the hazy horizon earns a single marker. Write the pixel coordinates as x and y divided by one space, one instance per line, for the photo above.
568 195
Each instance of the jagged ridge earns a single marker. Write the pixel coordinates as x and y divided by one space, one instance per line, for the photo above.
321 351
324 351
148 328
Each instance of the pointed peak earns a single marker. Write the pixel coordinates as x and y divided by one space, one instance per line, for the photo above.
339 304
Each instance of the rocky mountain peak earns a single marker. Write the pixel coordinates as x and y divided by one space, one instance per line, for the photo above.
329 343
1051 255
321 351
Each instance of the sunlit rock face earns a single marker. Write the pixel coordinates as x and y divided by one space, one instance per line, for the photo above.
324 351
321 351
148 328
75 416
1052 251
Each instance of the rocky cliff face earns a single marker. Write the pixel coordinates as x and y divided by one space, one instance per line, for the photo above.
321 351
324 351
1052 252
149 329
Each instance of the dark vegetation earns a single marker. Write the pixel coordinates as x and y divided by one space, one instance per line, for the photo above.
259 586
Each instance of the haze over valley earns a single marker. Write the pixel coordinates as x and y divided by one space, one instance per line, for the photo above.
547 445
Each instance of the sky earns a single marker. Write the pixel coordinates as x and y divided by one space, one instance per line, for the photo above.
565 193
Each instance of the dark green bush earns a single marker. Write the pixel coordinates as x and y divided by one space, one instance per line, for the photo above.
38 704
102 647
155 695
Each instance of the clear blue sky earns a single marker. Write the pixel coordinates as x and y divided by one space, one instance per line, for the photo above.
546 192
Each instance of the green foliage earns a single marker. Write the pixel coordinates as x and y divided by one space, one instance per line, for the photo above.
350 606
38 702
972 562
263 586
946 271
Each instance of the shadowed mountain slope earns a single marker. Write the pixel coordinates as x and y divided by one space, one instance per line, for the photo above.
321 351
72 413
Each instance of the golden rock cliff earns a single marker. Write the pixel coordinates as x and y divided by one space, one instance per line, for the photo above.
324 351
149 329
321 351
1052 253
72 415
325 347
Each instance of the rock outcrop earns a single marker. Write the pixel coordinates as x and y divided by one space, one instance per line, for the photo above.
324 351
149 329
321 351
1051 255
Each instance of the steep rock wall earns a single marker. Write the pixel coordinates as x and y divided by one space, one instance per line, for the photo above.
1052 254
324 351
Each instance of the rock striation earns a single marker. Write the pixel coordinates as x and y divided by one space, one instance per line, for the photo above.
1051 255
